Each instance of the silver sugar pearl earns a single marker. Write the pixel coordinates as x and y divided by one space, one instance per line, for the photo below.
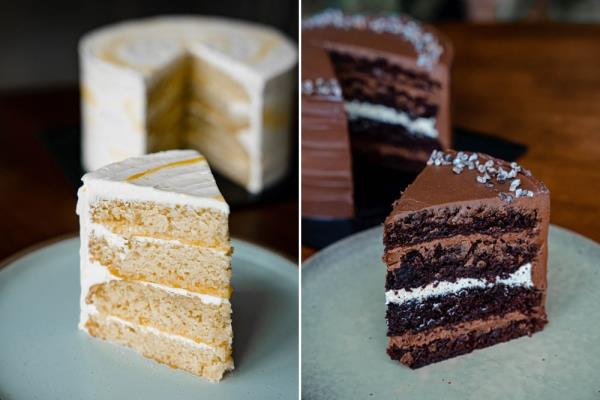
514 185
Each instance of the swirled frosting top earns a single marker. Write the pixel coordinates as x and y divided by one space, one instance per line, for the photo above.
181 177
147 45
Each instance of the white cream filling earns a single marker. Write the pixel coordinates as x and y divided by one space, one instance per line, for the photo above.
158 332
521 277
423 126
103 232
121 243
151 330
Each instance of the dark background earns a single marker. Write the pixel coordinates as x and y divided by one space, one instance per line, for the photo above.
38 39
40 118
470 10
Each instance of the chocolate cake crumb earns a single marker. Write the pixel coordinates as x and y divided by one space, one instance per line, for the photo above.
417 357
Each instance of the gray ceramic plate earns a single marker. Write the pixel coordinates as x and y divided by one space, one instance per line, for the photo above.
44 356
343 333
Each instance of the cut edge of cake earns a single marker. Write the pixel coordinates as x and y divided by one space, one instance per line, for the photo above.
466 256
167 309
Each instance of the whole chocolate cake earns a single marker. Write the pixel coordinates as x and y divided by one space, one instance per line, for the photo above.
375 91
466 250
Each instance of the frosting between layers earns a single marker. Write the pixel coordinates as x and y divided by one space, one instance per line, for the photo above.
121 243
451 332
93 273
521 277
393 256
163 177
158 332
97 273
377 112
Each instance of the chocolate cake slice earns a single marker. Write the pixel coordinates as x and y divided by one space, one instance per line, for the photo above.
466 250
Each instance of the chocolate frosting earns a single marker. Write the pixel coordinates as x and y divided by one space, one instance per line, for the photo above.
327 185
411 339
439 185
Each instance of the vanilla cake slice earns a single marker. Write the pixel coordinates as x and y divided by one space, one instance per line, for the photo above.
156 261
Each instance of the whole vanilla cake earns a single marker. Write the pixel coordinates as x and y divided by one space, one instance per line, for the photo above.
220 86
466 250
156 261
375 91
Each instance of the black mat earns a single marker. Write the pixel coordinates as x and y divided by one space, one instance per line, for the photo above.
376 188
64 145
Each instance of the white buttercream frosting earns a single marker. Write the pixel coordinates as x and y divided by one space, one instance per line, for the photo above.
521 277
168 179
150 43
377 112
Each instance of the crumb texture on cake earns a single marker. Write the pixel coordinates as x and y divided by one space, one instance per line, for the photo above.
167 350
427 225
156 261
482 257
466 254
416 356
167 263
185 316
201 226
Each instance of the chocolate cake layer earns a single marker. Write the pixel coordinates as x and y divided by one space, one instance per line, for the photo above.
374 131
374 85
486 258
466 305
391 158
429 224
442 349
380 69
389 145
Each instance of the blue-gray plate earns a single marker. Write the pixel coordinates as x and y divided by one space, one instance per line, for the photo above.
344 333
44 356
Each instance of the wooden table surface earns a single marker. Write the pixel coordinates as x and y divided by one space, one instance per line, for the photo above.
38 200
539 85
